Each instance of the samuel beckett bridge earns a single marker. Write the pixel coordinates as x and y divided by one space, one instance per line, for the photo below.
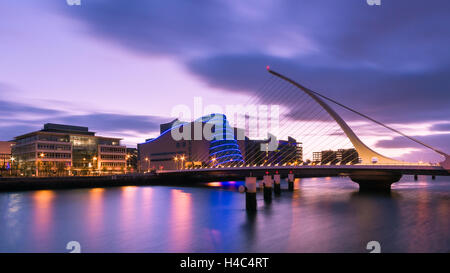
306 116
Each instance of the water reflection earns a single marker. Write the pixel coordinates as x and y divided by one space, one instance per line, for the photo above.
95 214
42 214
321 215
180 222
128 215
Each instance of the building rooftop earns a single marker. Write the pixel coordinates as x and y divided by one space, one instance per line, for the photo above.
64 129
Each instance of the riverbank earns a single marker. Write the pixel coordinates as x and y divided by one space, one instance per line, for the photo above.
70 182
9 184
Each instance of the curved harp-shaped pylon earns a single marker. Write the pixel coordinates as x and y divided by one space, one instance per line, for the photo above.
367 155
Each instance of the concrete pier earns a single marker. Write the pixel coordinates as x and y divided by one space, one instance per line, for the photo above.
375 181
277 186
250 194
267 180
291 182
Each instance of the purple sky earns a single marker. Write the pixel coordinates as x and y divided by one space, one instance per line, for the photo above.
120 66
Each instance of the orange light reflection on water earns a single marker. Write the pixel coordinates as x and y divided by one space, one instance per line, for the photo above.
127 213
42 214
180 220
95 212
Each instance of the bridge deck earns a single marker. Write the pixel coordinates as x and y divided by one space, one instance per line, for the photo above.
319 170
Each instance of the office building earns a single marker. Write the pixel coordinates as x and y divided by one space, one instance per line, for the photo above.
288 152
341 156
132 160
68 150
6 159
348 156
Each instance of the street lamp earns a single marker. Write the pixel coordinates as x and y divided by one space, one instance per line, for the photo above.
213 161
41 155
148 163
12 164
94 159
182 159
176 162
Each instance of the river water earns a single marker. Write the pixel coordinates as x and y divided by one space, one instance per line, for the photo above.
321 215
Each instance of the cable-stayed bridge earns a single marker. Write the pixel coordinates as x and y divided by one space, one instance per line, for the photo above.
308 116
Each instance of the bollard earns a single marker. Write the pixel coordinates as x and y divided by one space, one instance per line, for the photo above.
415 177
433 177
291 182
250 194
277 186
267 180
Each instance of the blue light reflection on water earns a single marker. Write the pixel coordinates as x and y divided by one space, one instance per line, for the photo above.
322 215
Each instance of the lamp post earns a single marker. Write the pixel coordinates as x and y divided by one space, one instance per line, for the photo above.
148 163
213 161
182 159
84 165
94 159
41 155
12 165
127 157
176 162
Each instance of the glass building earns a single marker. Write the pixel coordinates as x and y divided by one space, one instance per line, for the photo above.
68 150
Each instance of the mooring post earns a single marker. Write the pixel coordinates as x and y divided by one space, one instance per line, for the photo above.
433 177
291 182
415 177
267 180
277 186
250 193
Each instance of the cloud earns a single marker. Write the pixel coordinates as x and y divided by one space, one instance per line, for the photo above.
389 66
387 95
106 122
350 31
13 109
8 132
186 28
441 127
419 152
390 62
439 141
18 119
10 108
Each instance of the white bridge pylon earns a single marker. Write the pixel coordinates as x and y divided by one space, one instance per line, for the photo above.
367 155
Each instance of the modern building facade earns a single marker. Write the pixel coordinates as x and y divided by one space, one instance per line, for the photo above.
288 152
6 159
132 159
224 149
341 156
68 150
194 150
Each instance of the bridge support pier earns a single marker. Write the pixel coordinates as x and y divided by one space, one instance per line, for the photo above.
291 182
277 186
375 181
250 194
267 181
